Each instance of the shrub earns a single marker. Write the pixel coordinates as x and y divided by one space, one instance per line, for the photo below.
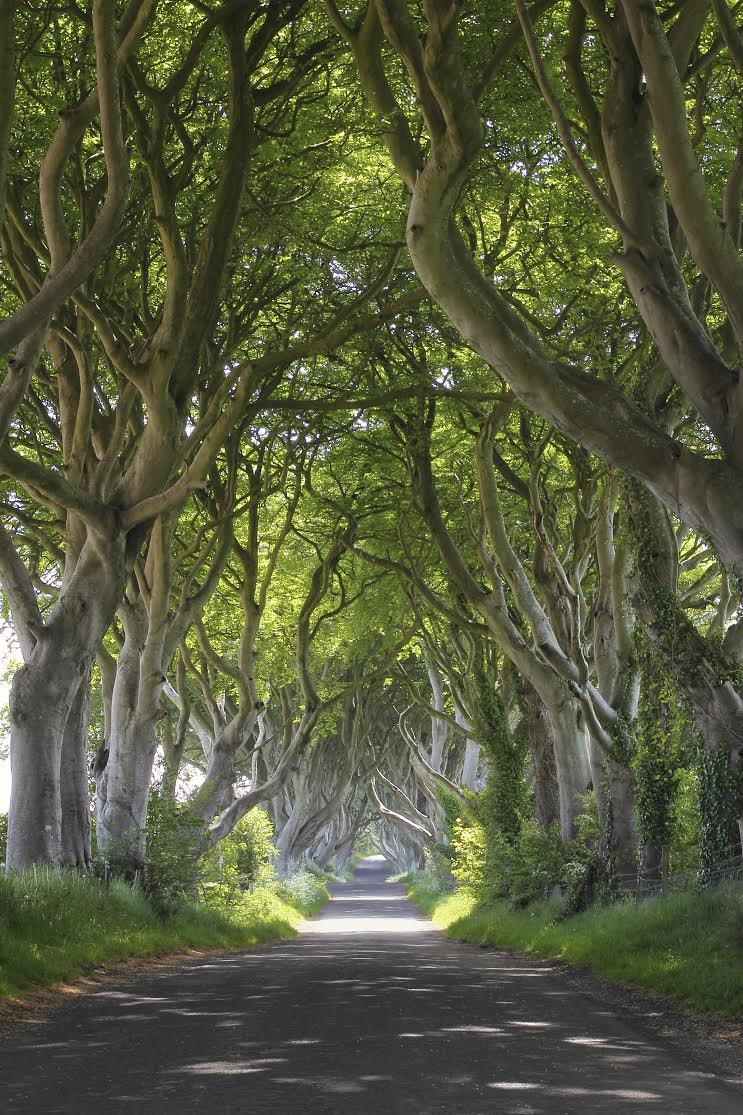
175 842
537 863
521 870
524 869
683 856
3 836
427 889
304 890
240 862
469 855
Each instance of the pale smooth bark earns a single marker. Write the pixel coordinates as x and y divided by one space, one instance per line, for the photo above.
102 546
60 655
471 761
439 728
153 632
535 725
704 492
123 788
73 777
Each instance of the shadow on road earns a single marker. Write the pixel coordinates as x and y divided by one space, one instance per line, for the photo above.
369 1010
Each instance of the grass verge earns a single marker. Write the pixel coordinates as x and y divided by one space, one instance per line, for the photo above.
687 945
55 924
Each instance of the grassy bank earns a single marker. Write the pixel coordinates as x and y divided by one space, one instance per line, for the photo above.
688 945
54 925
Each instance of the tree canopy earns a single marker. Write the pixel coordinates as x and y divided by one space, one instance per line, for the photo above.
369 433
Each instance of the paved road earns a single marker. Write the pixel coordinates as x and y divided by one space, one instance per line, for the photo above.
369 1012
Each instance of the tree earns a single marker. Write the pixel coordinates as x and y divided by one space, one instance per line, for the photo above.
630 98
175 341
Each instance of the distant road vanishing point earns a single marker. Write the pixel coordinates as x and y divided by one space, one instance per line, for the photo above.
370 1010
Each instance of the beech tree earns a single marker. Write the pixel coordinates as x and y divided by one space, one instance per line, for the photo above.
353 519
148 376
631 77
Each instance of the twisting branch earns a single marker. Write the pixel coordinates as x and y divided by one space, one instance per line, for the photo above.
21 595
577 161
418 829
67 271
711 245
7 88
365 40
730 33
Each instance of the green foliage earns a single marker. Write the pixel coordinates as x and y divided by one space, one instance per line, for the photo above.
664 727
427 888
470 855
687 945
304 889
454 807
503 802
3 836
588 874
489 837
238 863
522 870
720 805
678 639
623 742
530 866
587 826
683 858
537 863
175 836
54 924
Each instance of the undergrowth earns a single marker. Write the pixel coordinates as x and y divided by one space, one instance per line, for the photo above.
55 924
689 945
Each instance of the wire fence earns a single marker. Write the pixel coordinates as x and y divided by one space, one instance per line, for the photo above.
729 868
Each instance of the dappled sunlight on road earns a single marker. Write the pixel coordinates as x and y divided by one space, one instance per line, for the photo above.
367 925
400 898
546 1089
370 1008
361 911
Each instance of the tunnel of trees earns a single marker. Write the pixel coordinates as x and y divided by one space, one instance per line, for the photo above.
370 425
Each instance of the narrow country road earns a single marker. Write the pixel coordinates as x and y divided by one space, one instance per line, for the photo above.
370 1010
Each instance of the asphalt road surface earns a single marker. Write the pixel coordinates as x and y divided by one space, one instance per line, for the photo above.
369 1010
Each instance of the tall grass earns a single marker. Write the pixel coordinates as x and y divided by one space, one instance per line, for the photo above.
55 924
689 945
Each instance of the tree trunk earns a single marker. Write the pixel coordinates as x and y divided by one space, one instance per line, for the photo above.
218 789
470 764
125 790
614 787
570 742
622 836
42 697
471 752
439 727
124 785
74 793
43 693
39 705
537 730
652 861
286 841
